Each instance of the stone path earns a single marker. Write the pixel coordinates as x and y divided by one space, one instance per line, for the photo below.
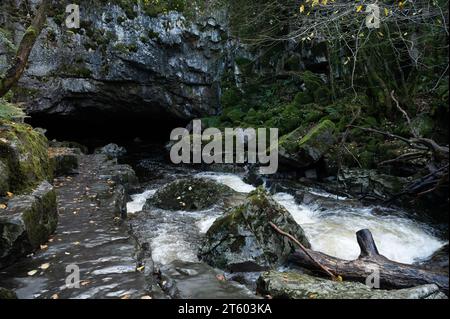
90 235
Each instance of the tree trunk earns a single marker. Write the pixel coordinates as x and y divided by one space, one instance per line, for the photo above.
392 274
19 63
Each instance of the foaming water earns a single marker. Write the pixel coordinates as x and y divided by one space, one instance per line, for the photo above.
333 232
231 180
179 238
169 246
138 201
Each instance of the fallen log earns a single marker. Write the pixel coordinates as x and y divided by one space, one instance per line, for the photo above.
391 274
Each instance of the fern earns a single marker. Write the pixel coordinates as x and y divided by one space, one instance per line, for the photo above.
10 112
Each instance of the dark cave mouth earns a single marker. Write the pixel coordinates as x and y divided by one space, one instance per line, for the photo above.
95 128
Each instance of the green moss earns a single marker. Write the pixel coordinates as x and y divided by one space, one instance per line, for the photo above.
25 152
326 125
31 31
303 98
126 48
10 112
41 211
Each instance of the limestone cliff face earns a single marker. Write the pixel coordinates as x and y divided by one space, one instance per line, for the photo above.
161 66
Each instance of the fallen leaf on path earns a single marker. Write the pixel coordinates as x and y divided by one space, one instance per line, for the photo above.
44 247
32 272
3 206
146 297
55 296
140 269
125 297
45 266
9 194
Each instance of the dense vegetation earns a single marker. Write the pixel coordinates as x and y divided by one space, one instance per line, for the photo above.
379 78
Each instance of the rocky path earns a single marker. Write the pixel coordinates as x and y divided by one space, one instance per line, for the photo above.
90 236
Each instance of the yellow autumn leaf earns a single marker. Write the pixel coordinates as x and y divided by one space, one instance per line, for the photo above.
55 296
359 8
302 8
9 194
314 3
324 2
45 266
3 206
140 269
32 272
386 12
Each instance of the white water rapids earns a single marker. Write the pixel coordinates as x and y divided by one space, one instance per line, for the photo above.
331 232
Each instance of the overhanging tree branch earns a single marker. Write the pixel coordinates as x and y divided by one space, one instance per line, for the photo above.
20 61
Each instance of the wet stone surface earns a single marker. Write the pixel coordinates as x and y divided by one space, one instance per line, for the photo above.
90 235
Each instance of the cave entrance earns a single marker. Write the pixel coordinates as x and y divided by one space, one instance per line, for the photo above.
94 128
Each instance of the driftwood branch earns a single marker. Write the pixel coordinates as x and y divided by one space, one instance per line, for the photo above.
392 274
305 250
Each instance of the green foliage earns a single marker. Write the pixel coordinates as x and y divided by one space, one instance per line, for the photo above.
10 112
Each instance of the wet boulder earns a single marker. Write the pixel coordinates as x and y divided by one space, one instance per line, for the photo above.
65 160
112 151
301 286
27 222
243 240
190 194
303 148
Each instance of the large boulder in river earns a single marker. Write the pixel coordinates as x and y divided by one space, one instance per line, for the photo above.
27 222
300 286
244 241
189 194
303 148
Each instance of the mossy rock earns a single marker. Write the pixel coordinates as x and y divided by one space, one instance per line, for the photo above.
190 195
27 222
305 148
24 151
243 240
